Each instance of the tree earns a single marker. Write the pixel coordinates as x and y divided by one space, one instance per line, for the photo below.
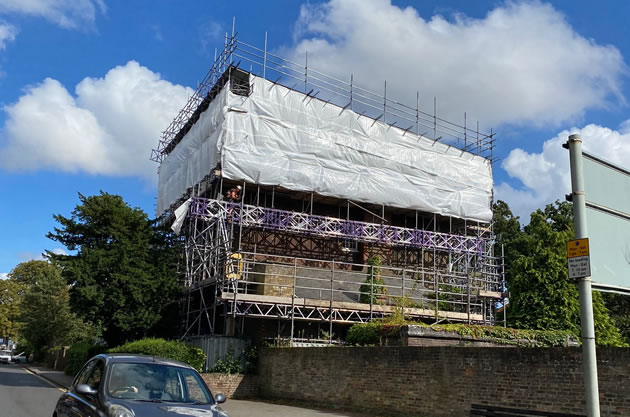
123 272
12 292
541 295
10 300
46 319
507 228
27 273
619 306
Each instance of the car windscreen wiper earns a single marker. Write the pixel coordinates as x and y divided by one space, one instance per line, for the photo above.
152 400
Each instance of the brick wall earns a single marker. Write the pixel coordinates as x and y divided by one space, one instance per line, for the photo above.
443 381
233 386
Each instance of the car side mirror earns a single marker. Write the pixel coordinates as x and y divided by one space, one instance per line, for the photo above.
85 389
220 398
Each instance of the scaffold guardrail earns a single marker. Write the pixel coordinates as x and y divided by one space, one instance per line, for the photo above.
304 223
343 93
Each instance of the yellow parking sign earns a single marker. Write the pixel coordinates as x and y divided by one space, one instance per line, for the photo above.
577 247
579 259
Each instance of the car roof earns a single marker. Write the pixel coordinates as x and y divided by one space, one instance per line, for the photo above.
131 358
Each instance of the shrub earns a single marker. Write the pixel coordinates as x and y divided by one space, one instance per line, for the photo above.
364 334
245 363
96 350
371 333
250 355
510 336
78 354
170 349
227 365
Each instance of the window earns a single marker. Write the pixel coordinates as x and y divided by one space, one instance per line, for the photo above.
84 373
194 388
150 381
350 245
94 380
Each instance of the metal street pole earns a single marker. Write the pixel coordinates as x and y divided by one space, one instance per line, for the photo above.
584 284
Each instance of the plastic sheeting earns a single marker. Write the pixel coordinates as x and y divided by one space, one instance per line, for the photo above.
194 156
281 137
180 216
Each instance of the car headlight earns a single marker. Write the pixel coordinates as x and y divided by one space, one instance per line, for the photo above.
120 411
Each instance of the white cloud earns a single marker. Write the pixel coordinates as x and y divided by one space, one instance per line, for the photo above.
521 63
108 127
210 32
30 256
545 176
59 251
65 13
4 275
7 34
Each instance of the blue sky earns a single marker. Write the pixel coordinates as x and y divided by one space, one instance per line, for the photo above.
86 86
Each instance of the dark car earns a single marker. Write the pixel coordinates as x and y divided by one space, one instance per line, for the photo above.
138 386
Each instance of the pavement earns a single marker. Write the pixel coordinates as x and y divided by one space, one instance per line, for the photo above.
235 408
58 378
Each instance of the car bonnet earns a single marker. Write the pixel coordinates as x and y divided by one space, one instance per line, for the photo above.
155 409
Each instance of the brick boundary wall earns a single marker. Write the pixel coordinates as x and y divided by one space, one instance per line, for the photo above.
443 381
233 386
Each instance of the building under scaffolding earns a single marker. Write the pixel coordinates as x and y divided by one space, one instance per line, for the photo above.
308 203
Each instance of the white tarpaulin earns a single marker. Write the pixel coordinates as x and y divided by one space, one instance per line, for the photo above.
180 216
281 137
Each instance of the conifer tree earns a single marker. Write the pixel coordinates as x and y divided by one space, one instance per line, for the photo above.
122 267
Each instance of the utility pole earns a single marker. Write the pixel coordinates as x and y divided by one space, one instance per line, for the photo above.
584 284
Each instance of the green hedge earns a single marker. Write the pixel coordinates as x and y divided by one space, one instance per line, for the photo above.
375 331
79 353
170 349
228 364
371 333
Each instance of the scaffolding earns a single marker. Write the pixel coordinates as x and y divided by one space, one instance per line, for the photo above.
301 257
452 277
237 54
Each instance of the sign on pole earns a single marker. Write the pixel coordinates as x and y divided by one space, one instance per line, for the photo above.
587 322
607 192
579 258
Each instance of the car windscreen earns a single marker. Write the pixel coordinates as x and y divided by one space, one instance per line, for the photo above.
156 382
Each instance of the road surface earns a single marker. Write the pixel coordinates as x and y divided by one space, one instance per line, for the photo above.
23 394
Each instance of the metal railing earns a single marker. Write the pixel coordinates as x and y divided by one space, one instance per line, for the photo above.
346 94
429 288
289 221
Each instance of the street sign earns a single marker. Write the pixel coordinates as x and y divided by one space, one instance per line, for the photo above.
579 258
577 247
607 195
579 267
